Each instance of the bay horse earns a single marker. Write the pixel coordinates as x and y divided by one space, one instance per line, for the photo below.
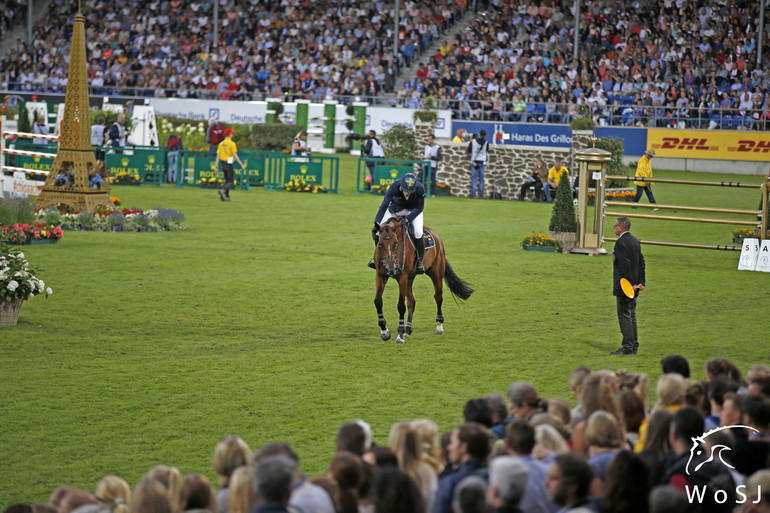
394 258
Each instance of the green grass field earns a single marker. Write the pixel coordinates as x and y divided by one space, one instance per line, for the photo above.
259 321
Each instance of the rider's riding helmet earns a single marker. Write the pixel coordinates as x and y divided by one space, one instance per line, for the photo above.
409 183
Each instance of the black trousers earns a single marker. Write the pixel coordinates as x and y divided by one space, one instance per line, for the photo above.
527 185
229 172
627 321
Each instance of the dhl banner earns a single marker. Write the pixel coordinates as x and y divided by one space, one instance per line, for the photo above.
710 144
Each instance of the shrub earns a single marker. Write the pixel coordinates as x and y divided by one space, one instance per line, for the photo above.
583 121
266 137
427 114
563 217
17 210
398 142
110 117
24 124
616 146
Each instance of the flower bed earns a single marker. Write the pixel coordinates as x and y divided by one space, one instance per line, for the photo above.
212 183
37 232
537 242
104 219
302 186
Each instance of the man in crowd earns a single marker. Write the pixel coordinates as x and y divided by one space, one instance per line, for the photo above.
477 149
468 446
508 482
569 482
432 153
554 177
519 442
227 152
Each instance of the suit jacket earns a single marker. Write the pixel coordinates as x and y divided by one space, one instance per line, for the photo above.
627 262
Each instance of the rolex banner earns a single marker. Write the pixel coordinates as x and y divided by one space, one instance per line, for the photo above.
148 164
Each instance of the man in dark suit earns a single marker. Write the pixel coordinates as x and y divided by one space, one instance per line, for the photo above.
628 263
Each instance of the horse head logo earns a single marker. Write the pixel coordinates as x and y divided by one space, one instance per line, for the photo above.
697 450
125 161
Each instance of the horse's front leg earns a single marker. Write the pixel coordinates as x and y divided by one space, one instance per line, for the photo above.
402 288
384 331
410 302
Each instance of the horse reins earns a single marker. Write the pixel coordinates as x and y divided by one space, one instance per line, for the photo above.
402 263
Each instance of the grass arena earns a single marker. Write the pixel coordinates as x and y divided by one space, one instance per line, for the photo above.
259 321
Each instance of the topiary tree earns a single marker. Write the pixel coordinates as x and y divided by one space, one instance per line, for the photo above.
398 142
563 216
583 121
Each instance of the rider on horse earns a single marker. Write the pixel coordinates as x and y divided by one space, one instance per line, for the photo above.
405 197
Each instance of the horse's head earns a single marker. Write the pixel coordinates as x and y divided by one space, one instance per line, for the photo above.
695 450
391 249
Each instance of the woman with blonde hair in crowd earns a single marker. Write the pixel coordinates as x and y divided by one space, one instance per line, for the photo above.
197 495
113 492
604 438
242 497
427 435
150 496
403 442
548 443
230 453
671 390
171 478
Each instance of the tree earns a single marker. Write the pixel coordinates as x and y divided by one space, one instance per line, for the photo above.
398 142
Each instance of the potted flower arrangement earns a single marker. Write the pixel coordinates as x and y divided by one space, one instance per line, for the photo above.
744 233
18 281
443 189
612 196
537 242
36 233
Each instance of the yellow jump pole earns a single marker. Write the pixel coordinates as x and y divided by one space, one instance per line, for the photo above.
722 247
682 207
682 218
684 182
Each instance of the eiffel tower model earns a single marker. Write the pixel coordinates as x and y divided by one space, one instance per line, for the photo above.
76 156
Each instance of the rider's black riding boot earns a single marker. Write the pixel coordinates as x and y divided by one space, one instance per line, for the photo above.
376 241
419 245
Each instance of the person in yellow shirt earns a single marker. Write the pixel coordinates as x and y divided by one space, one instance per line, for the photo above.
644 169
460 136
227 152
554 177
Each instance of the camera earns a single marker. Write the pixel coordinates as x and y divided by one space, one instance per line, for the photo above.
358 137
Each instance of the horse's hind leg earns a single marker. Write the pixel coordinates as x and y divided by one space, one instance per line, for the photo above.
438 295
384 331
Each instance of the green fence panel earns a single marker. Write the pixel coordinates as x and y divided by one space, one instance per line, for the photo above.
318 170
256 167
198 168
149 163
386 172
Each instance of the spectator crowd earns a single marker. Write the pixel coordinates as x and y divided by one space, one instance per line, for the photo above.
684 63
611 452
264 48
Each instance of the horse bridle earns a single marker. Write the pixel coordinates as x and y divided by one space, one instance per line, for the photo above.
386 258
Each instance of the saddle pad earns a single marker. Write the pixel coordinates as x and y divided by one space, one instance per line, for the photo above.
429 240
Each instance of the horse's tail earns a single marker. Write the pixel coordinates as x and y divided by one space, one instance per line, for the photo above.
458 287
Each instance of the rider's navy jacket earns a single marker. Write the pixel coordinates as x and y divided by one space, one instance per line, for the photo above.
395 201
